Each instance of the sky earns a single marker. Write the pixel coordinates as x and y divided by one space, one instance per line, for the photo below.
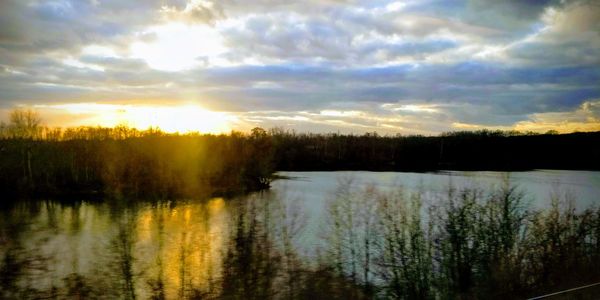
394 67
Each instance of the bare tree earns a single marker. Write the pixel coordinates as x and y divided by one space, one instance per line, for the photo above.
25 123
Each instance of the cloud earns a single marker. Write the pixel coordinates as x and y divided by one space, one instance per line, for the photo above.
194 12
584 118
570 35
411 66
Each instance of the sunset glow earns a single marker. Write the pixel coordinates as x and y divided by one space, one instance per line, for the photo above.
183 119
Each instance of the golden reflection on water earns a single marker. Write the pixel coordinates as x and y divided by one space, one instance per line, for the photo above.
179 245
193 240
144 226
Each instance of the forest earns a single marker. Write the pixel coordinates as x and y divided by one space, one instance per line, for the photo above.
125 162
461 150
122 161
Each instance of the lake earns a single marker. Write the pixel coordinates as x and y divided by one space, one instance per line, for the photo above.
177 248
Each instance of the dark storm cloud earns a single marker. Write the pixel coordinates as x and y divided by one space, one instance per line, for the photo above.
508 91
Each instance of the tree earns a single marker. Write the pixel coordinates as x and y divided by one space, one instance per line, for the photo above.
25 123
258 133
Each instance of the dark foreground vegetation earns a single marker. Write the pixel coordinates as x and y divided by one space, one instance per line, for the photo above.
467 244
470 244
120 161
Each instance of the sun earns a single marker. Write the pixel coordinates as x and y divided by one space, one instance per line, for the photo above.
176 47
178 119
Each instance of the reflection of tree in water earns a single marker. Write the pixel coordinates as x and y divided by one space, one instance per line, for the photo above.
243 248
102 262
22 266
123 246
261 260
157 284
191 253
250 265
77 286
13 264
46 252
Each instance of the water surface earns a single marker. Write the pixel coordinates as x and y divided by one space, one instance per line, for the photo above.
177 248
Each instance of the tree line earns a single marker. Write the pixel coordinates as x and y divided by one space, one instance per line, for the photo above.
125 161
462 150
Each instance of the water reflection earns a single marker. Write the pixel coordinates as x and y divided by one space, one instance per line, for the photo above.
350 241
158 250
